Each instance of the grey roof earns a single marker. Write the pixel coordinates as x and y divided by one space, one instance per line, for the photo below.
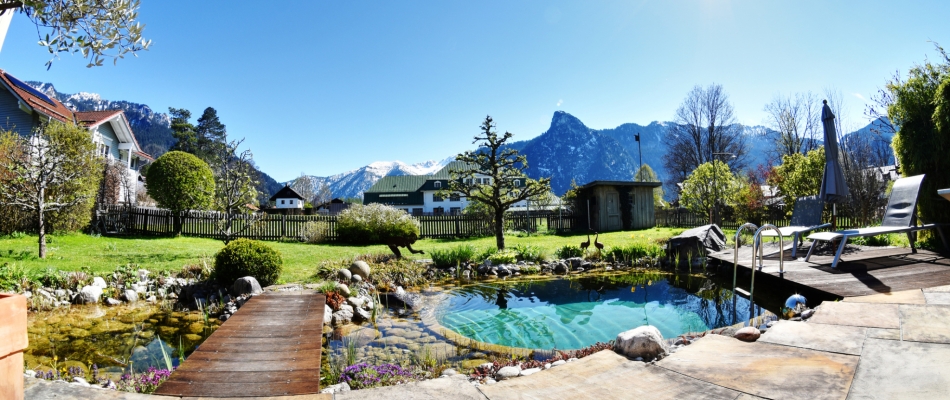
445 173
398 184
621 183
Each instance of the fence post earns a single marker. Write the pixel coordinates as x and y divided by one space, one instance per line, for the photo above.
283 225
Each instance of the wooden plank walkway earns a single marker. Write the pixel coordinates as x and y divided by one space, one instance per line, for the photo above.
270 347
863 271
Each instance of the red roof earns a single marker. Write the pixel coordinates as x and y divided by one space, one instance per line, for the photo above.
56 110
93 118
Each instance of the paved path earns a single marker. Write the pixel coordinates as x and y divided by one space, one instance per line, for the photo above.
886 346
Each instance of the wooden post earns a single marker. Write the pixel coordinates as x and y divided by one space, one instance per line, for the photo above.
283 225
13 340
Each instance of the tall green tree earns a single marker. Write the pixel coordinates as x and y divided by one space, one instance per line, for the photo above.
97 29
206 140
646 174
183 131
919 108
180 182
708 183
53 170
504 169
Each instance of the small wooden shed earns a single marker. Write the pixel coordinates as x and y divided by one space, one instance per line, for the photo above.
617 205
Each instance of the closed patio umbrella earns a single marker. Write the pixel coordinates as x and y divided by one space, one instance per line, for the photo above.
834 188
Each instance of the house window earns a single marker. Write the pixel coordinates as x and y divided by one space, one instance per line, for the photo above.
416 211
436 198
468 181
291 202
438 184
517 183
438 211
282 202
454 197
455 210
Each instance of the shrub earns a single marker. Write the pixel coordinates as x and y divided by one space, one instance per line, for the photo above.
530 253
244 257
374 223
453 257
568 251
485 254
314 232
180 181
503 257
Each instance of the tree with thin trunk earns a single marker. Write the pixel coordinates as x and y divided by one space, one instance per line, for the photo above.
797 120
704 125
52 170
305 187
494 176
235 188
323 195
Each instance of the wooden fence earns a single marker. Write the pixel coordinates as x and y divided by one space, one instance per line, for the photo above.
152 221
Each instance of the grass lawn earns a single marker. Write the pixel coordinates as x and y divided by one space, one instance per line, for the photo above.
103 254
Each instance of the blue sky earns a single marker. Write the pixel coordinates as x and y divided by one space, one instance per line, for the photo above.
327 86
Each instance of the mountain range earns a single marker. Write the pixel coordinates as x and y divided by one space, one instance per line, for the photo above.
567 151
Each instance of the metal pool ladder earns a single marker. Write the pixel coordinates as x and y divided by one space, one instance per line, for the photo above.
757 247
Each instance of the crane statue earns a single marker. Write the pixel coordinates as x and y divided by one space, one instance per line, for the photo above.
585 245
598 245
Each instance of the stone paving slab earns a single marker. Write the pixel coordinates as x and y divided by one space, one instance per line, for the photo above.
871 315
606 375
45 390
902 370
456 387
937 289
809 335
317 396
881 333
938 298
764 369
930 323
915 296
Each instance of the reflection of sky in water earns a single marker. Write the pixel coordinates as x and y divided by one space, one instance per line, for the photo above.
559 314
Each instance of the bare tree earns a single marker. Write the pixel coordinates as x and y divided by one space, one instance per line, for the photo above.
704 124
323 194
235 187
797 119
506 182
53 169
304 186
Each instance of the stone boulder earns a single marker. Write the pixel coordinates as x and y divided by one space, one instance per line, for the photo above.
748 334
508 372
246 285
645 341
560 268
576 262
344 275
89 295
130 296
343 315
99 282
360 268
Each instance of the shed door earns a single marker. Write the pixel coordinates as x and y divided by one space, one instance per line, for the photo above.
613 211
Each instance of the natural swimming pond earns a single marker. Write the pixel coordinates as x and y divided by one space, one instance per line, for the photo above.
578 312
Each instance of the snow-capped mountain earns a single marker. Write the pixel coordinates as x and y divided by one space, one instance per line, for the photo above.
354 183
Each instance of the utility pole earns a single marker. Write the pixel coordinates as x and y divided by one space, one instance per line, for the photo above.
639 150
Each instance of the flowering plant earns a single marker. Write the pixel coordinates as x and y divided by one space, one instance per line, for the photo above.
147 382
364 375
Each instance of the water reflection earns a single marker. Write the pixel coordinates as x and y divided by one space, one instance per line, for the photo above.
574 313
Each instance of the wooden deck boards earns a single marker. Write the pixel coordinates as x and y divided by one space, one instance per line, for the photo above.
860 272
270 347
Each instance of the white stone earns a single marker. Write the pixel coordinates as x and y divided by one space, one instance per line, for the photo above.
558 362
748 334
356 302
143 275
449 372
547 366
530 371
246 285
339 387
645 341
98 281
508 372
327 314
486 365
130 296
360 268
89 295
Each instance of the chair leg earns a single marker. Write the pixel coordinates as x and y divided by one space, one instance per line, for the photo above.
794 245
912 238
844 241
814 243
943 239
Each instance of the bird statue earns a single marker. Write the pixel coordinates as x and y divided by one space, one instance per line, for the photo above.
585 245
598 245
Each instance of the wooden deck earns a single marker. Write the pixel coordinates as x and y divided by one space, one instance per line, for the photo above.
861 272
270 347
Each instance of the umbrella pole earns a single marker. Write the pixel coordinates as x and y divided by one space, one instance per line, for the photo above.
834 217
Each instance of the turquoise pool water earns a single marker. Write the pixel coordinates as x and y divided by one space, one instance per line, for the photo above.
571 314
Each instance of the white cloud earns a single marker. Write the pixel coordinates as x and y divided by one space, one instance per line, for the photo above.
559 102
859 96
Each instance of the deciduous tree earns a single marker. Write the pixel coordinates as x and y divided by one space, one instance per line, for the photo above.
180 182
709 182
52 170
504 168
797 119
97 29
235 187
646 174
799 175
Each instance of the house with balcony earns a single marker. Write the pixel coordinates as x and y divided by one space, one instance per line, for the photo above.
23 109
419 194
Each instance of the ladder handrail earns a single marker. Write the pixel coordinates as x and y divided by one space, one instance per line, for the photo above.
735 259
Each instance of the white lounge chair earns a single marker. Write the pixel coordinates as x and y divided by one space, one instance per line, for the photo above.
806 217
899 217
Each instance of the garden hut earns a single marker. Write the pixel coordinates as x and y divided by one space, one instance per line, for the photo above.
616 205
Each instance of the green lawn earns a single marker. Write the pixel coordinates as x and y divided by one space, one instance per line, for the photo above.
103 254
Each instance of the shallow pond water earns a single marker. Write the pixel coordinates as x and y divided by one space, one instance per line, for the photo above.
117 339
579 312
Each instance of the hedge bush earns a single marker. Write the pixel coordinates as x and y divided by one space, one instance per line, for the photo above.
374 223
245 257
180 181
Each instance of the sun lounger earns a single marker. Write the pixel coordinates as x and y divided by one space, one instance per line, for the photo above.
806 217
899 217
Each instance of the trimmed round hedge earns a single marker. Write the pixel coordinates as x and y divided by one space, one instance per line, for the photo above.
180 181
245 257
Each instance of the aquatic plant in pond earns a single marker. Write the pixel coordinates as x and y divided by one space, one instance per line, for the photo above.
145 382
575 313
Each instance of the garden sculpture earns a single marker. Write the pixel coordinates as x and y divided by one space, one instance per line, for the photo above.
585 245
395 243
599 245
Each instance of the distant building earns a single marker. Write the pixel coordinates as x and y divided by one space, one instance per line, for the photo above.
287 197
332 207
617 205
417 194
